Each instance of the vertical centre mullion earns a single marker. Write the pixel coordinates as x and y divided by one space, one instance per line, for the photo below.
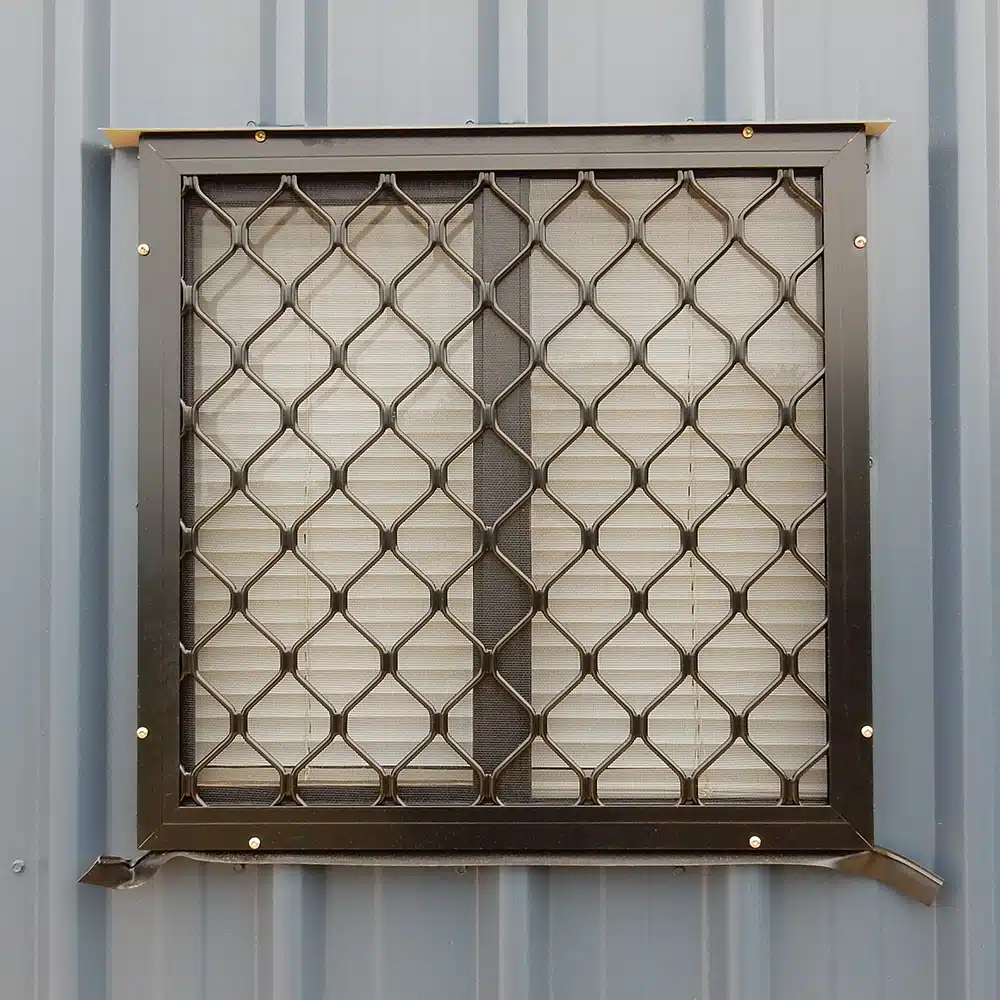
500 477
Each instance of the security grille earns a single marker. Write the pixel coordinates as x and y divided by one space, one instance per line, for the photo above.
507 489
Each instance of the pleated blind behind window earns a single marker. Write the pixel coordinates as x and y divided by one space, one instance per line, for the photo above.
657 540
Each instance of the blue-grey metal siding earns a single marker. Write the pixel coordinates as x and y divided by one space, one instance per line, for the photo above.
67 504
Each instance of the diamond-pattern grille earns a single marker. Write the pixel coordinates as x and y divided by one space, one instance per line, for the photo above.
503 489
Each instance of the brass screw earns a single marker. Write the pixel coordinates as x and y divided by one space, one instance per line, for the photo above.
755 841
254 843
143 249
260 135
867 732
861 242
747 132
141 733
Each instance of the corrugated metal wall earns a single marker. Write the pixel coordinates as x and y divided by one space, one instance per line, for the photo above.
67 506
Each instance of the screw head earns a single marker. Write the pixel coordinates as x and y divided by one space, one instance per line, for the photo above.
141 733
755 841
254 843
861 242
260 135
747 132
143 249
867 732
18 867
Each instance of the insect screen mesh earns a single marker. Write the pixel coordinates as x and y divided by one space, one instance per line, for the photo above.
411 541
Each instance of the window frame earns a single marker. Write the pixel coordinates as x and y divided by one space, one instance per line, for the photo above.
845 824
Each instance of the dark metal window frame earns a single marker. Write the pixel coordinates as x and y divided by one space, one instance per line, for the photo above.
844 825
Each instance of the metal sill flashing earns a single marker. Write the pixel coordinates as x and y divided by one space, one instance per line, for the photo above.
887 867
128 138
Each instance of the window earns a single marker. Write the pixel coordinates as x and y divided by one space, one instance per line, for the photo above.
518 500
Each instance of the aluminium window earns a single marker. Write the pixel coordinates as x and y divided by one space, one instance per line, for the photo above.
518 495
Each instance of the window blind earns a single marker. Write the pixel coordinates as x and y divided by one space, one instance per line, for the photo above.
713 355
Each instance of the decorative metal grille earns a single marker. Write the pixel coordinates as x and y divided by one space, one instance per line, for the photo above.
512 490
630 598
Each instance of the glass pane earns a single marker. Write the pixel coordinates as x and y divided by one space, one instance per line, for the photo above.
296 526
614 332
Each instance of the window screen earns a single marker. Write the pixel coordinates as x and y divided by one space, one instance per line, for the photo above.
612 489
520 495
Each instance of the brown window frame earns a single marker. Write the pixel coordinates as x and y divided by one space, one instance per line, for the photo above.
167 822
